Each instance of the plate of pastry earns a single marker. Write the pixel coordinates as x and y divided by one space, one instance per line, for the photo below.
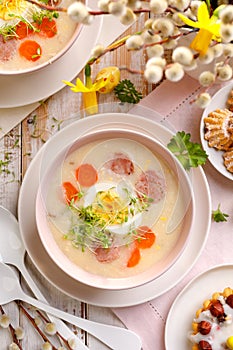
216 130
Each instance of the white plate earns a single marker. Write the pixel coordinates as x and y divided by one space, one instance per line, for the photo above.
101 297
215 157
21 90
190 300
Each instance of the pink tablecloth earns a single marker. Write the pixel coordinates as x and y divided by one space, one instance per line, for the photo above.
172 102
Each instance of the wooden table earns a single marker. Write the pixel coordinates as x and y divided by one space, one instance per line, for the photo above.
17 151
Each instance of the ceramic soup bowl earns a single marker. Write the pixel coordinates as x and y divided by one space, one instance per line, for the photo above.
31 37
114 209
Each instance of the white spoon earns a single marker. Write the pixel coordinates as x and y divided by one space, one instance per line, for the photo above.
116 338
12 252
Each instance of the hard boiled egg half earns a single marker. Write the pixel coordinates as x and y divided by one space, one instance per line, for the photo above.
116 204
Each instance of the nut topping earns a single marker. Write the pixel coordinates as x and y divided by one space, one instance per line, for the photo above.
204 345
216 308
204 327
229 300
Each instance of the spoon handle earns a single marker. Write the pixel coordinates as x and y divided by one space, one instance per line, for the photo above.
116 338
62 328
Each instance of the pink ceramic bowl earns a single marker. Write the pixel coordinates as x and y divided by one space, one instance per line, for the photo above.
123 159
50 47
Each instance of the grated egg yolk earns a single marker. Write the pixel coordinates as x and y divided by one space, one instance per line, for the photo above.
10 9
111 207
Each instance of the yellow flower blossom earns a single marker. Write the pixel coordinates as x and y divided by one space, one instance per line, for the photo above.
88 90
209 29
80 87
105 82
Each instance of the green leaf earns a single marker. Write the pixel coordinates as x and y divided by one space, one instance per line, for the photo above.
218 215
126 92
190 154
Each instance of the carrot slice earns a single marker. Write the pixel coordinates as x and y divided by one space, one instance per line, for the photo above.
146 239
22 30
134 258
47 27
86 175
70 192
30 50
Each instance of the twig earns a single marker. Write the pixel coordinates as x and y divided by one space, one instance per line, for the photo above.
91 12
131 70
47 7
137 11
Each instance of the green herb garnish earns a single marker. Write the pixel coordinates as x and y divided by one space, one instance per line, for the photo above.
7 31
218 215
126 92
190 154
89 225
39 15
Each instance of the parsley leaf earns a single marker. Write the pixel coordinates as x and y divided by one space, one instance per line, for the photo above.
190 154
218 215
126 92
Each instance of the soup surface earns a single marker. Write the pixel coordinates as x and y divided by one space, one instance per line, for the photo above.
30 35
109 207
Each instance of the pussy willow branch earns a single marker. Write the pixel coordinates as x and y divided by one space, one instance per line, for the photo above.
12 330
57 333
122 42
110 48
31 319
170 9
91 12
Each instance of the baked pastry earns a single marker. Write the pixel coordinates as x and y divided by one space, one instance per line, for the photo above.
228 160
218 129
213 324
230 101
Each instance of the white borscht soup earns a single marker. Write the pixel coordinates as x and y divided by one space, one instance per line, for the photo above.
31 35
110 205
